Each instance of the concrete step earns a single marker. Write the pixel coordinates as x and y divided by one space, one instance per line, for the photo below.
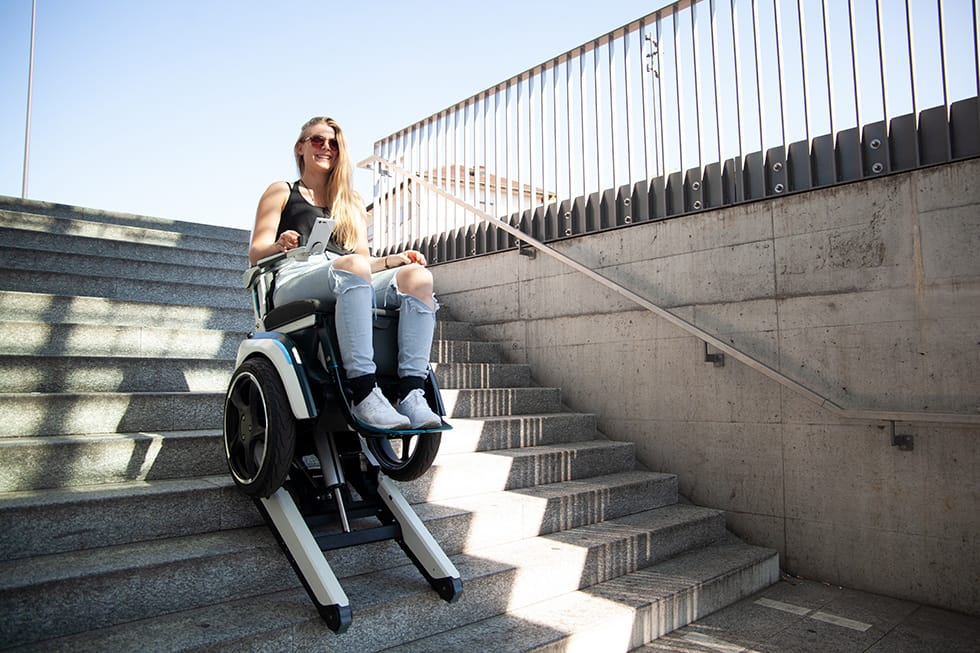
130 373
391 606
176 293
85 374
184 230
107 313
496 402
61 461
33 414
109 264
511 431
59 521
60 339
66 461
129 244
449 329
625 612
466 474
43 522
466 351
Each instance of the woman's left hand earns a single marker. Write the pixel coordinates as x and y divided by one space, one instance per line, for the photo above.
406 257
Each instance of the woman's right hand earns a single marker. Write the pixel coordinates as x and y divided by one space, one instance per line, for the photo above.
287 240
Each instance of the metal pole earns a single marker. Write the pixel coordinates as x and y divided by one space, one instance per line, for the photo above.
30 92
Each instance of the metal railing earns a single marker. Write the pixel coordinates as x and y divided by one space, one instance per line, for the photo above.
885 415
700 104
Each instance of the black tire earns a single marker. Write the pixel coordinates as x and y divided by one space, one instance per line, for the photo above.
259 428
407 457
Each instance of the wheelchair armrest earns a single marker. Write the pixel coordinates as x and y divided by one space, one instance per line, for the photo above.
267 264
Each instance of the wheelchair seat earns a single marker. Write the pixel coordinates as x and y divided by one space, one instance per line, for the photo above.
297 343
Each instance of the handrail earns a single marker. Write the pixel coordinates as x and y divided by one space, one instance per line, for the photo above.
745 359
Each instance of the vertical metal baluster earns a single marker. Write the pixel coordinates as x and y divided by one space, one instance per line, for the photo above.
945 69
488 163
695 65
392 200
459 160
915 101
740 193
780 65
678 105
851 19
627 96
581 97
452 126
806 96
531 146
508 173
828 55
644 100
884 95
555 86
518 141
760 101
377 194
498 168
431 170
596 66
613 122
569 95
660 145
416 195
712 9
544 144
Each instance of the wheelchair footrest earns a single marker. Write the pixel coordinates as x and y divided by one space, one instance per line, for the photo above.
375 432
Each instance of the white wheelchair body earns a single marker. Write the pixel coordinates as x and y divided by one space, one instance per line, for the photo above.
316 473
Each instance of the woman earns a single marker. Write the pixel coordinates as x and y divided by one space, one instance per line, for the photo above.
348 275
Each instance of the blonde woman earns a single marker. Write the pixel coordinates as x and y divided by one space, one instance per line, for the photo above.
347 275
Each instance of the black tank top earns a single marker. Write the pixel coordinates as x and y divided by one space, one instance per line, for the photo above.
299 215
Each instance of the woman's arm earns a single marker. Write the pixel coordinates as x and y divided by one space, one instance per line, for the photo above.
264 242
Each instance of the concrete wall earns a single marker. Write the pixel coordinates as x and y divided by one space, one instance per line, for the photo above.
868 293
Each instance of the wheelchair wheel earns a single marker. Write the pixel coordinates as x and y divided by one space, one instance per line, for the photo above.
407 457
259 428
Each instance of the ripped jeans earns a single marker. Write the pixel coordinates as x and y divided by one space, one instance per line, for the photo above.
354 299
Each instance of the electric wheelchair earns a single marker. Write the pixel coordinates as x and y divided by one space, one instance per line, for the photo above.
314 471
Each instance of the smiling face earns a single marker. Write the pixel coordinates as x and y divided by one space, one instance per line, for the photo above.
318 147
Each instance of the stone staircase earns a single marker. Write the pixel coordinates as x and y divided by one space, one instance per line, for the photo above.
120 529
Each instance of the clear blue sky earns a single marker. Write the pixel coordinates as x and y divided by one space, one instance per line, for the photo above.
187 109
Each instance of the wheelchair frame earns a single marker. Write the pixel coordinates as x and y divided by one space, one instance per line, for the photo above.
326 472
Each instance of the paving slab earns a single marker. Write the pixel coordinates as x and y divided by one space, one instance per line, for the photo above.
804 616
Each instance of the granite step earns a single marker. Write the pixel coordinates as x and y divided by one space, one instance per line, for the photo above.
112 264
183 229
107 313
204 573
60 521
61 461
178 292
34 414
622 613
54 237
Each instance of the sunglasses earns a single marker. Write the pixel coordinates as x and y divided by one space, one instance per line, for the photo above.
319 141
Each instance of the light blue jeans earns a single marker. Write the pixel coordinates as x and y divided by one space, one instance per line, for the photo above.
354 299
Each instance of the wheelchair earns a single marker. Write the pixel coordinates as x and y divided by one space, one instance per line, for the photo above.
313 470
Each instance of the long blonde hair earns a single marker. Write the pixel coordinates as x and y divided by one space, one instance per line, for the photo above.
345 205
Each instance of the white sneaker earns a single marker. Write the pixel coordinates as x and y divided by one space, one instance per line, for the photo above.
378 412
416 408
